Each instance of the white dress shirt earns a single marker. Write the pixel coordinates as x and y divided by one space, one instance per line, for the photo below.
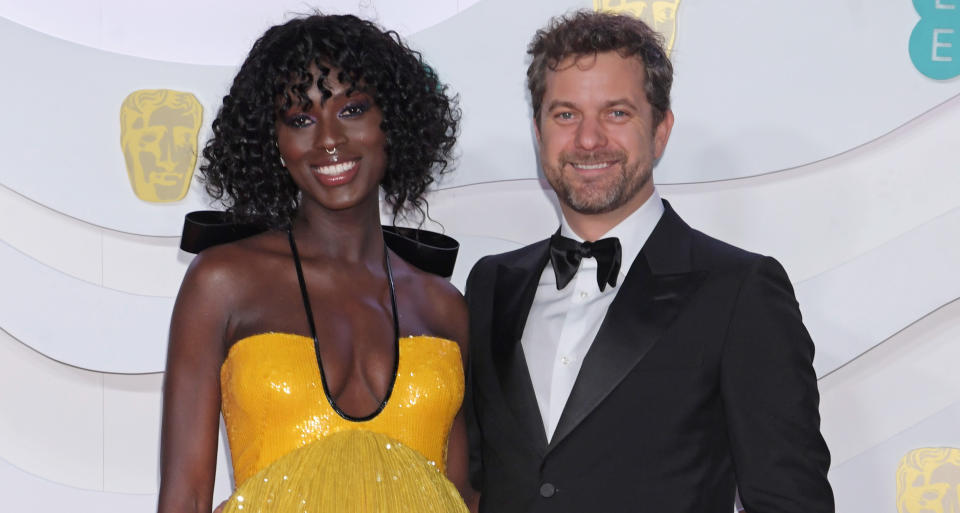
562 324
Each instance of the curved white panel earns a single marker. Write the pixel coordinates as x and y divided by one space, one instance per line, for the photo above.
473 249
132 407
125 28
81 324
62 242
909 377
137 264
521 211
818 216
868 482
794 83
26 492
52 420
64 429
149 266
851 308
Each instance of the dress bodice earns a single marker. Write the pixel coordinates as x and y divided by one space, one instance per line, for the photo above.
273 399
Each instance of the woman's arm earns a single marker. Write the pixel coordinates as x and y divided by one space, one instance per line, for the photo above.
458 462
451 310
191 388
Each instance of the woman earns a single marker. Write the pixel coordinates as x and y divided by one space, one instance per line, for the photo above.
338 366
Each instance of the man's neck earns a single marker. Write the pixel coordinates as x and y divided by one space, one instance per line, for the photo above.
592 227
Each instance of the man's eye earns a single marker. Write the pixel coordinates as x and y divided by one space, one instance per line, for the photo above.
619 114
299 120
565 116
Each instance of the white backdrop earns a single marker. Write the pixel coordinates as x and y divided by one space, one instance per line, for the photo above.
803 131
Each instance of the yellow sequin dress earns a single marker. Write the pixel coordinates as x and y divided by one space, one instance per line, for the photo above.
292 451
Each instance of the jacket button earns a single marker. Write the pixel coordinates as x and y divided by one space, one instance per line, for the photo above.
547 490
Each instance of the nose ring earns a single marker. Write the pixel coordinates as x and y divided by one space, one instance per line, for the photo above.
330 152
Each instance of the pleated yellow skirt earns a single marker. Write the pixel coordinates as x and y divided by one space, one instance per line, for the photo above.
352 471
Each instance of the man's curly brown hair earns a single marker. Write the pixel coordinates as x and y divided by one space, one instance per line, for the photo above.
584 33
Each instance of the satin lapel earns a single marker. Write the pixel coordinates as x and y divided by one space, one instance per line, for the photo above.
643 310
515 288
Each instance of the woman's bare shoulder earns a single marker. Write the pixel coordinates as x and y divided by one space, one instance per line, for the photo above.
237 266
440 305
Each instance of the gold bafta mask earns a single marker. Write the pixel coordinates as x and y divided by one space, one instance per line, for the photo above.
661 15
158 133
928 481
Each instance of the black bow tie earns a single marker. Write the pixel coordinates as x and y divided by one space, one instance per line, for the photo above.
566 254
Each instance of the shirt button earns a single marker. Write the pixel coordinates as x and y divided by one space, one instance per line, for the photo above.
547 490
584 294
564 360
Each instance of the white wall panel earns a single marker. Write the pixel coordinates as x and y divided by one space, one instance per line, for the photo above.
210 34
852 307
131 432
868 483
901 382
816 217
52 420
518 210
473 249
142 265
121 261
59 241
765 86
28 493
72 437
81 324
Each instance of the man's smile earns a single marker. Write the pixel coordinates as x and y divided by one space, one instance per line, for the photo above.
593 166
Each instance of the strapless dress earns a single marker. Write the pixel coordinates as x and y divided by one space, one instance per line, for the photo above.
292 451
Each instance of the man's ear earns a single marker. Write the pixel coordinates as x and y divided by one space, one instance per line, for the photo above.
662 133
536 130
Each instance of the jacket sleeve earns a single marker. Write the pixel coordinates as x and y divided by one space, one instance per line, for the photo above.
771 401
473 296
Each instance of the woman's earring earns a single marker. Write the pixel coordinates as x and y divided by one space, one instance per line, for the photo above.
283 163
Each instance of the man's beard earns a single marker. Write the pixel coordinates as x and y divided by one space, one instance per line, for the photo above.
598 197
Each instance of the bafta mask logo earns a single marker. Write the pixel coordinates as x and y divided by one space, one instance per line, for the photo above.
928 481
158 133
661 15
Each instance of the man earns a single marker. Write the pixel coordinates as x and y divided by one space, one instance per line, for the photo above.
661 384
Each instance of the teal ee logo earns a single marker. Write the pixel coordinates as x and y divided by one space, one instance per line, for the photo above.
935 41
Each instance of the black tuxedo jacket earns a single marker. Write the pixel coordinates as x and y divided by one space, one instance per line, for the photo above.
699 381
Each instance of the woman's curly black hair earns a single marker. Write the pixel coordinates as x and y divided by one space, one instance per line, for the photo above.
243 169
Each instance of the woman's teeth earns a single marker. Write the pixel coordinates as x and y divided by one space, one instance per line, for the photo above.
335 169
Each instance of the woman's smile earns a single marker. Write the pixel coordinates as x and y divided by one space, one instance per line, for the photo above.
339 173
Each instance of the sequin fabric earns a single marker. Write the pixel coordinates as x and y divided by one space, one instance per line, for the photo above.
273 401
352 471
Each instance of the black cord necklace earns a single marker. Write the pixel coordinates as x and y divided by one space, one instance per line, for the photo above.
316 341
